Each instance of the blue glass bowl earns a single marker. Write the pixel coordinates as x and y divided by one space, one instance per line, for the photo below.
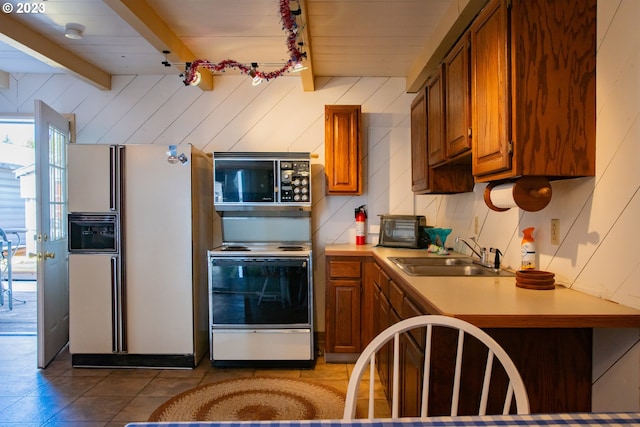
438 236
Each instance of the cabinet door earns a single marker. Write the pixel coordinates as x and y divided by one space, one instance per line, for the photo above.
554 88
458 99
344 336
490 67
435 119
343 149
411 375
385 352
419 164
342 305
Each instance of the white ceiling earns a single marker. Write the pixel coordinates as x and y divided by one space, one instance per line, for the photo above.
342 37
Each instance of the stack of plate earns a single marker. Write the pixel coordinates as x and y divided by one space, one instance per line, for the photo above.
535 279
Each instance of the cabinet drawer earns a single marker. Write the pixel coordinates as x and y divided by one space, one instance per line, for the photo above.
396 297
344 269
383 282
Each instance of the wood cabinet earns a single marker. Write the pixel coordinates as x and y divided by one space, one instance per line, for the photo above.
533 89
559 384
444 178
342 312
457 72
419 161
343 149
391 307
559 379
440 128
435 119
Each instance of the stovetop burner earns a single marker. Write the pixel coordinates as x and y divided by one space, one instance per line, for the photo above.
235 248
290 248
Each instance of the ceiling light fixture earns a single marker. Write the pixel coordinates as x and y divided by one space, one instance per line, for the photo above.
253 73
296 55
197 77
73 31
298 67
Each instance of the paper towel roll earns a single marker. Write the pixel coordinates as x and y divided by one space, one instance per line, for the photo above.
502 196
528 193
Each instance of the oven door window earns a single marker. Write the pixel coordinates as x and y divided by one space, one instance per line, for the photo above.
245 181
259 291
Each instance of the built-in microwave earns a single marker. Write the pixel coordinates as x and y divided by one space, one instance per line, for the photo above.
93 233
254 181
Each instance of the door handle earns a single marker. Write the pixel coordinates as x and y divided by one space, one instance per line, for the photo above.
39 256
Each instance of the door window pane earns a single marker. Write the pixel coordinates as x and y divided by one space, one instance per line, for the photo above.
57 184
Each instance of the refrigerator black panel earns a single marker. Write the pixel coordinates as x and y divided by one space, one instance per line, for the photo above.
93 233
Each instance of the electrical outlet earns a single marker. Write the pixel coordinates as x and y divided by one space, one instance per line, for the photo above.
476 229
555 231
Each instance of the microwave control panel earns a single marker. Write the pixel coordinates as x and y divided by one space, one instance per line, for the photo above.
295 181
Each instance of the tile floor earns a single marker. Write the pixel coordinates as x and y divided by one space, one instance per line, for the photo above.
64 396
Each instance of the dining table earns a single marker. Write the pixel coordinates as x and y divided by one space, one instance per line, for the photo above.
548 420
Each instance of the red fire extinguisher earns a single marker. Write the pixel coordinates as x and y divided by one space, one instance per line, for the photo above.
361 217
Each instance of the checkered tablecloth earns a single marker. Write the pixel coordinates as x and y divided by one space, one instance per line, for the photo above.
547 420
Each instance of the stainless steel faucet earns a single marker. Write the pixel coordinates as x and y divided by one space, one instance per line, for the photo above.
482 255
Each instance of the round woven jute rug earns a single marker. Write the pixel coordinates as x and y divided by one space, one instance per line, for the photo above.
253 399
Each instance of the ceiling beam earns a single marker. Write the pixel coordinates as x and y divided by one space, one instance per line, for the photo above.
32 43
306 75
457 18
146 21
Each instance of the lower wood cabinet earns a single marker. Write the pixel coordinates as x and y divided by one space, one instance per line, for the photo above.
342 312
363 299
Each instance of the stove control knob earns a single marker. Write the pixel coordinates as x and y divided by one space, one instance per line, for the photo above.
305 182
304 198
305 190
296 182
297 197
297 190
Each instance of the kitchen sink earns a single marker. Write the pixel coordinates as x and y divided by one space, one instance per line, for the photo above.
432 261
449 266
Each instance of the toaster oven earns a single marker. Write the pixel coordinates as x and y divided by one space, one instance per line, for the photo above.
403 231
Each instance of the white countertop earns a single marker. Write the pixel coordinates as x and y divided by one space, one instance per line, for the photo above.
496 301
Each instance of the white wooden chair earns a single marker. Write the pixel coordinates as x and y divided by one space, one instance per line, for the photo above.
515 385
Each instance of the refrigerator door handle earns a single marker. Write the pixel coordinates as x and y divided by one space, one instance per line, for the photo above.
115 324
113 178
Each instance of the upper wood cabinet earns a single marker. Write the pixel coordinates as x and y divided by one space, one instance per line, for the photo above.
343 149
440 128
445 177
419 164
435 119
533 89
457 72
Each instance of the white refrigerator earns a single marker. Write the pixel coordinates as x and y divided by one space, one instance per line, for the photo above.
145 305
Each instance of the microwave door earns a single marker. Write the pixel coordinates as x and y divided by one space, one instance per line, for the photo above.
245 182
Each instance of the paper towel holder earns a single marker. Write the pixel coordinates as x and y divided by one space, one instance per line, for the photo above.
529 193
